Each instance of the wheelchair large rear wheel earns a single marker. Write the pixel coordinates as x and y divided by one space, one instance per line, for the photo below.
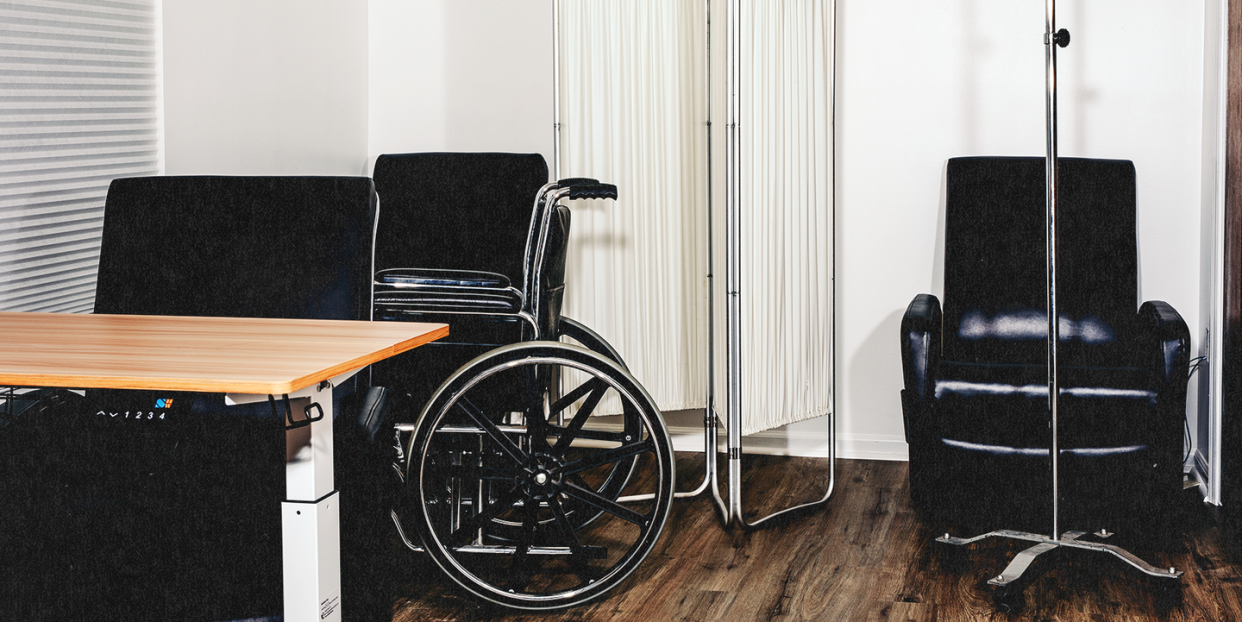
528 513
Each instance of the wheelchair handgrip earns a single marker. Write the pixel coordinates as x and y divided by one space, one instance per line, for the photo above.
575 181
593 191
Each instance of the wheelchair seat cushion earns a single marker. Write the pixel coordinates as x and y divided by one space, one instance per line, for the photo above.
405 277
403 291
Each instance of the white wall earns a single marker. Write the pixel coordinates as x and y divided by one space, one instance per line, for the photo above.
918 83
461 75
270 87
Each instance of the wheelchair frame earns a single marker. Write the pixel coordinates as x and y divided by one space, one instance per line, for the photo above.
525 477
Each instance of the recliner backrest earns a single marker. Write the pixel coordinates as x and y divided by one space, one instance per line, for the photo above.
460 211
287 247
995 307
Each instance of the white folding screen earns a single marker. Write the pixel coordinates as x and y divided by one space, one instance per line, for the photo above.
79 107
633 110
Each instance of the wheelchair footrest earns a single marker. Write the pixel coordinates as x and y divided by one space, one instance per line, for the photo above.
591 552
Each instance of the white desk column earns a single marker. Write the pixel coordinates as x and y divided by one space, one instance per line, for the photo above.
310 515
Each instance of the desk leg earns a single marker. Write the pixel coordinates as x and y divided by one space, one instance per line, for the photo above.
310 516
312 559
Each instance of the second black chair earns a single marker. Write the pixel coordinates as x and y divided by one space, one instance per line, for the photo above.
975 400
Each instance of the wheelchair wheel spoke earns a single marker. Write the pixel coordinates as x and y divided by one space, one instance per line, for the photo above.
590 497
476 522
597 389
530 523
536 418
504 442
578 558
587 387
607 457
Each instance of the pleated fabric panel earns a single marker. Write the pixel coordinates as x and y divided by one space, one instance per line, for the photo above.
633 106
786 228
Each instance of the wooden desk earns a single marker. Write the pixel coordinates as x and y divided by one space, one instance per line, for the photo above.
246 358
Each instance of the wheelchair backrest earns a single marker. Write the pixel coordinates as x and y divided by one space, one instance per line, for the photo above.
995 259
457 211
288 247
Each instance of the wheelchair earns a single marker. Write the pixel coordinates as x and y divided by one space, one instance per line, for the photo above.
539 474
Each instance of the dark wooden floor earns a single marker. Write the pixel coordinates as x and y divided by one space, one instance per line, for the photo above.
864 557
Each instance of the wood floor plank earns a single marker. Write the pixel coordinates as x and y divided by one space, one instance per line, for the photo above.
866 556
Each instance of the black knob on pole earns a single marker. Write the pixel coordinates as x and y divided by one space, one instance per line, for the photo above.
1061 38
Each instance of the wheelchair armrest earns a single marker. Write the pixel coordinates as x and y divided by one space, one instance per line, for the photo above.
920 344
593 191
1165 341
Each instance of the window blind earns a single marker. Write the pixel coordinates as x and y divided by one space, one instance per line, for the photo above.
79 106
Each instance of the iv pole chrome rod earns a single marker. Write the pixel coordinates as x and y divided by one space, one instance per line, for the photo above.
1053 39
1050 194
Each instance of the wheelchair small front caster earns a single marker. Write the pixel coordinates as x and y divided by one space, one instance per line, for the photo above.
1008 599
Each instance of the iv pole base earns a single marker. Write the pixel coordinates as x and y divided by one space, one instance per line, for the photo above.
1069 539
1007 596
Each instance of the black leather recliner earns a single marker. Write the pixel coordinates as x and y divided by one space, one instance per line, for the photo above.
975 397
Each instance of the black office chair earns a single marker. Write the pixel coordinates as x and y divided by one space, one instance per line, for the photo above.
975 400
176 517
496 451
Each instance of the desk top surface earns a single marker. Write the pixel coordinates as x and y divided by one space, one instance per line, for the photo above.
210 354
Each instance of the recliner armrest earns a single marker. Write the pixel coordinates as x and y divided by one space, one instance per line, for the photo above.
920 345
1166 339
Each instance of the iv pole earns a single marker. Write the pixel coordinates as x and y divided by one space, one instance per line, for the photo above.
1053 39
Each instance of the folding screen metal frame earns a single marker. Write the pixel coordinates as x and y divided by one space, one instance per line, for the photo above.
730 512
1053 38
733 513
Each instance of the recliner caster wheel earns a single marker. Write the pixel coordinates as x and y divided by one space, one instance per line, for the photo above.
1008 599
1168 595
952 558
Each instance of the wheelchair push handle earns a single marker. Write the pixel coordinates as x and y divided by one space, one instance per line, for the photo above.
593 191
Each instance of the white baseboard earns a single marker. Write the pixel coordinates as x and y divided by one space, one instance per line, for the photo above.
686 430
777 443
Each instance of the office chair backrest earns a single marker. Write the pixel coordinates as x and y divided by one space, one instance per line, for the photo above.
995 307
289 247
462 211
